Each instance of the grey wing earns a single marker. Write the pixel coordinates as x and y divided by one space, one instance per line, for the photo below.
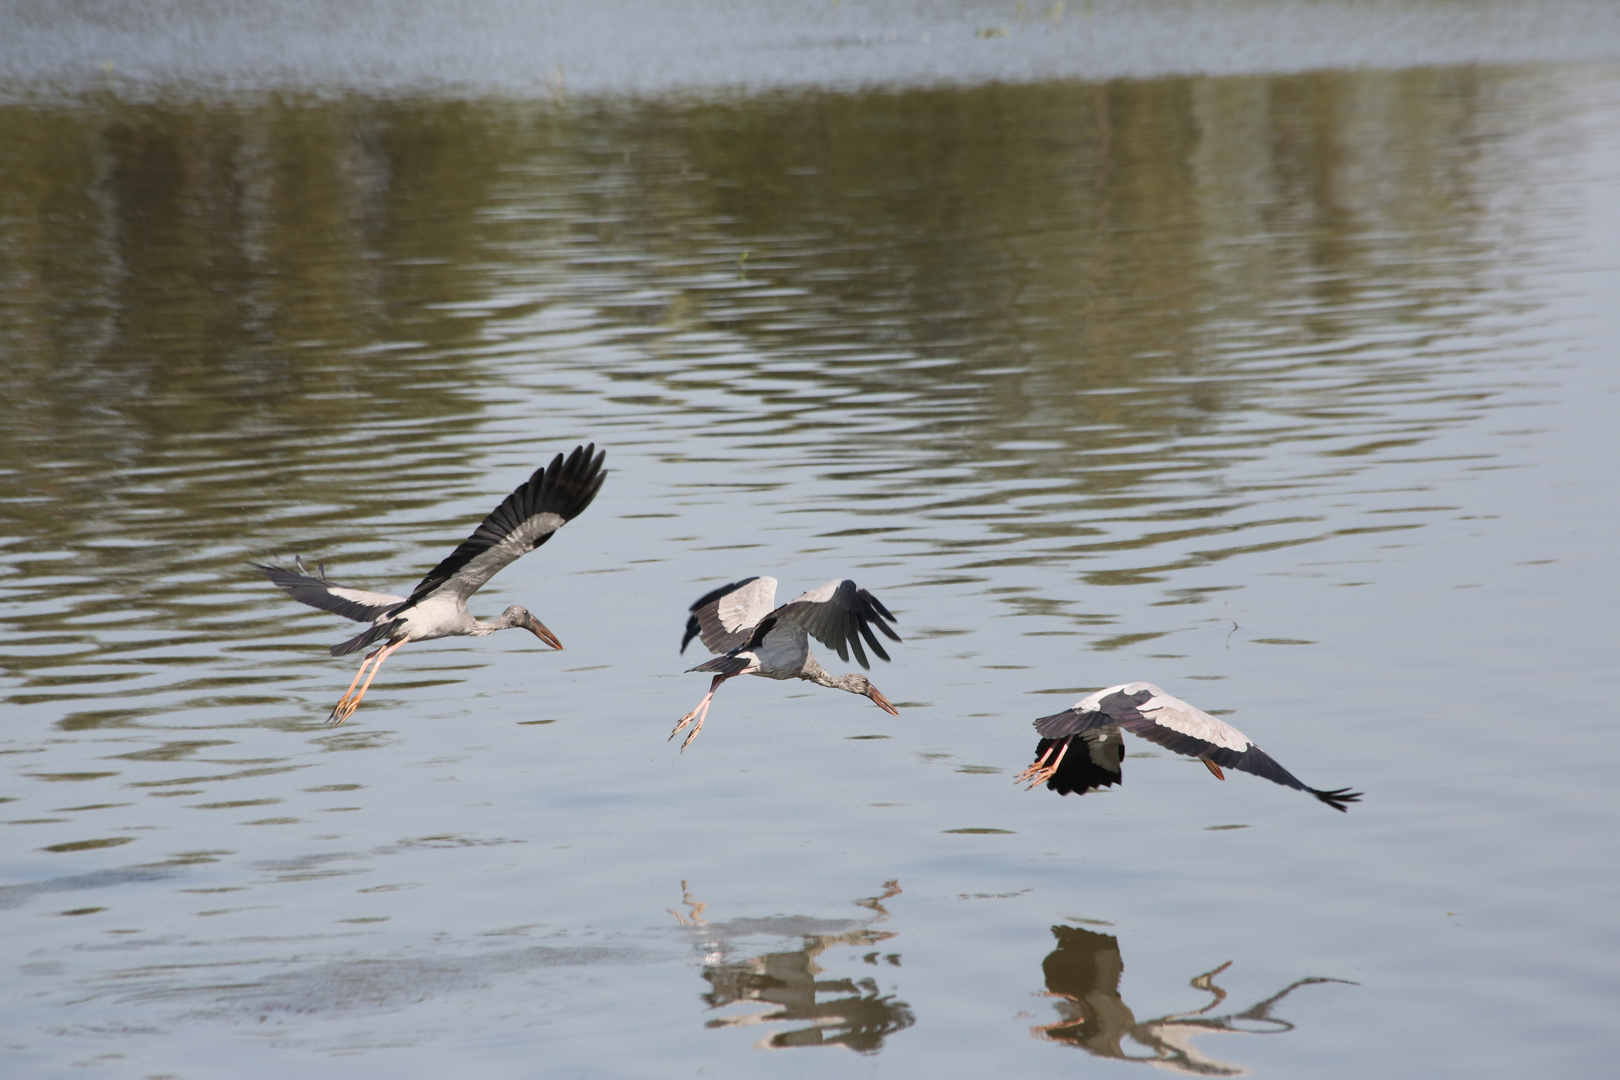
725 618
548 500
1145 710
839 614
316 591
1087 714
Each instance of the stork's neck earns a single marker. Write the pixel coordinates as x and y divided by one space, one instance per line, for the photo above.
822 677
504 621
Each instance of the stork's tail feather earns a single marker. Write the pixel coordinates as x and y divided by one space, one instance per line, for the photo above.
374 634
727 664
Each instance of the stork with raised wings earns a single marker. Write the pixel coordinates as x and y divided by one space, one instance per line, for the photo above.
437 607
1097 720
739 622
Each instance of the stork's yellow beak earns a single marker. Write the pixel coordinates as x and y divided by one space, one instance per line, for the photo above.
543 634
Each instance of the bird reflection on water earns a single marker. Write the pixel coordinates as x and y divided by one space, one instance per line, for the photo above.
1083 972
836 1012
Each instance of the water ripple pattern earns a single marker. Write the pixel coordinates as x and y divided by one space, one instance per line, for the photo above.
1291 393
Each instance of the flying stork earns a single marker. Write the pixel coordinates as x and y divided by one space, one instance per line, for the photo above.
739 622
437 607
1095 723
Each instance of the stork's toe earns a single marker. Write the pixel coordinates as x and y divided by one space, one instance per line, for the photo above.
343 709
693 735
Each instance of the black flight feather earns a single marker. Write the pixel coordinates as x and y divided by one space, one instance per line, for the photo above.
565 488
1087 766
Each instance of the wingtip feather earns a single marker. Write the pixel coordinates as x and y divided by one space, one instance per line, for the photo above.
1339 798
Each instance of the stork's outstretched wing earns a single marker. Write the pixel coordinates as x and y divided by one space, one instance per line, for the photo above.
1145 710
316 591
839 614
546 502
726 617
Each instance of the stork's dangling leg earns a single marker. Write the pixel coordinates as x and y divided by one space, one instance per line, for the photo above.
1034 767
351 700
364 664
697 714
1040 772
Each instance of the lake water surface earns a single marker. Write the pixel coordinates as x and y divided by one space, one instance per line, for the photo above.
1293 389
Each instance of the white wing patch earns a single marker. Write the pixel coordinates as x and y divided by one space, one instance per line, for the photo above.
1171 712
361 596
744 607
818 595
1177 715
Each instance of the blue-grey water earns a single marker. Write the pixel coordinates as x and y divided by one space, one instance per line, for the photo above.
1287 378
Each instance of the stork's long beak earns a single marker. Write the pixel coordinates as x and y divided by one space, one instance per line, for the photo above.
542 633
1214 769
882 702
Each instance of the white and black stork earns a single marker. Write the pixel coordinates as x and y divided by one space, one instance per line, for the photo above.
754 638
1097 720
437 607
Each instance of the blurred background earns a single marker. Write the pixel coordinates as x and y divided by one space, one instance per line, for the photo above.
1266 351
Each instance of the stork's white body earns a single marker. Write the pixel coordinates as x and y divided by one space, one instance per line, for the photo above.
440 615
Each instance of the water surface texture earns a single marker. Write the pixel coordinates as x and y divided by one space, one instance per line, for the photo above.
1291 390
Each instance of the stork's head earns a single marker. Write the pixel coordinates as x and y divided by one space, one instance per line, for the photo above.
519 617
860 684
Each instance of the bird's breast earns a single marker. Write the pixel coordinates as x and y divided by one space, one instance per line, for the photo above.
435 617
782 654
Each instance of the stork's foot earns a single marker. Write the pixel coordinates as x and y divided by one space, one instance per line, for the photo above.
1035 774
1039 772
696 714
350 700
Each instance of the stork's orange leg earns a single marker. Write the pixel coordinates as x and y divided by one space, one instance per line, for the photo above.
364 664
1038 773
697 714
1035 767
346 706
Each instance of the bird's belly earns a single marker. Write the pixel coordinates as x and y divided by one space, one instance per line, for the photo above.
781 656
432 618
405 629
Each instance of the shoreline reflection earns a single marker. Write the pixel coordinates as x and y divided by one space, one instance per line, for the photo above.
1083 973
784 987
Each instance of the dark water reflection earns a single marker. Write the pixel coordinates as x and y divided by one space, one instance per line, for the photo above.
1239 379
1084 972
853 1013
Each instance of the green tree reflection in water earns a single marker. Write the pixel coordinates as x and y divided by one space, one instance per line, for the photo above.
1002 326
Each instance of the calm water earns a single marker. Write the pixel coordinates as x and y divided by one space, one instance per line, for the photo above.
1295 393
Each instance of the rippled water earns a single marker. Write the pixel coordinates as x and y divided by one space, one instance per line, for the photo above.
1294 394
